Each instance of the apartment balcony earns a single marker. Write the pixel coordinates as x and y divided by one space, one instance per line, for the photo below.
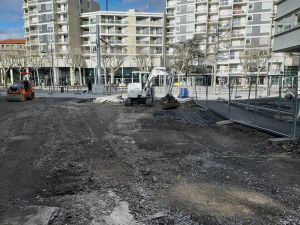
32 13
108 32
143 33
62 31
156 42
170 33
142 42
201 1
157 33
235 71
85 23
202 11
156 52
61 1
238 12
234 59
170 13
32 2
62 21
225 15
86 43
119 42
86 52
171 4
34 42
33 22
85 33
237 35
63 41
123 32
171 24
238 46
62 10
63 51
238 24
33 32
239 2
222 72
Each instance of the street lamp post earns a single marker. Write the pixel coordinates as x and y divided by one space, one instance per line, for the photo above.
53 68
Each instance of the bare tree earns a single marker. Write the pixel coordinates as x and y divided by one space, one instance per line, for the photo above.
112 63
187 56
76 61
38 61
144 62
7 61
218 40
21 61
254 60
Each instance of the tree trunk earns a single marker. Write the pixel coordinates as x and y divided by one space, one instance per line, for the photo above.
80 77
37 76
11 76
112 76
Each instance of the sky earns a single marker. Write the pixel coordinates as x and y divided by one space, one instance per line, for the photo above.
11 13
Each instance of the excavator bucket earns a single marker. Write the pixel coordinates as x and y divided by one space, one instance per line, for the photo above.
169 102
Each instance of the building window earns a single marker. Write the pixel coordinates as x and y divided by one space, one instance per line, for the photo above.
189 28
190 8
250 18
48 6
267 5
248 41
250 6
249 30
190 18
223 2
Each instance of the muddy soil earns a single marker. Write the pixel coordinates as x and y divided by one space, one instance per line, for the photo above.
106 164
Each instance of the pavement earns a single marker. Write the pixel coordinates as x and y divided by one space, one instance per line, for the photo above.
58 94
250 118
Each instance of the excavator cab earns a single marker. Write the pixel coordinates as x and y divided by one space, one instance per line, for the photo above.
141 89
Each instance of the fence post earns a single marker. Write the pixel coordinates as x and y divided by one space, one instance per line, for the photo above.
295 109
279 95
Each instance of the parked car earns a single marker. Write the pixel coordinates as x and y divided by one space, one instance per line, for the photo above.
20 92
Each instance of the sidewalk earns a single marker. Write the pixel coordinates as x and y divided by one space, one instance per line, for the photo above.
58 94
250 118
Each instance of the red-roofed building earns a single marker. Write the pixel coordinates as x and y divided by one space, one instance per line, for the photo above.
12 44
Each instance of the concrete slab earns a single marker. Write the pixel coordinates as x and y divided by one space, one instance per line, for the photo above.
224 122
31 215
279 141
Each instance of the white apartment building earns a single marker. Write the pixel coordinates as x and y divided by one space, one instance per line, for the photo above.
287 33
63 27
56 23
124 34
229 28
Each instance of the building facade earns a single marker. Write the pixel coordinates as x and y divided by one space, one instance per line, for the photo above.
287 33
12 45
52 27
287 26
230 29
126 35
64 27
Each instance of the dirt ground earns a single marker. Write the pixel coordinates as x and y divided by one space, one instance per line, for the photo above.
107 164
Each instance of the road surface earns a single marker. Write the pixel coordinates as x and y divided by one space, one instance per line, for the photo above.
108 164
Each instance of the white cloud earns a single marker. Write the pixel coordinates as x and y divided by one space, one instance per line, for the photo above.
11 34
